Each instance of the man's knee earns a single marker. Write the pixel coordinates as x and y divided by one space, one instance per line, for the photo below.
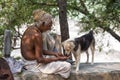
67 65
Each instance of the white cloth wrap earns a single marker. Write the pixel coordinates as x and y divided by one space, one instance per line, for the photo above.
48 41
62 68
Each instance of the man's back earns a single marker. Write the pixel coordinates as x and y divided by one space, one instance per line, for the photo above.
28 42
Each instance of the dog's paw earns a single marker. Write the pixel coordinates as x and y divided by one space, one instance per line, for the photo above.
77 70
92 63
87 62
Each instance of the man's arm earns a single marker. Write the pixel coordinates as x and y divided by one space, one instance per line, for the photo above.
46 52
39 52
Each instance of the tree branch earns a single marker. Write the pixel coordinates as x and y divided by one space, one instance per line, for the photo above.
85 12
99 22
84 6
43 3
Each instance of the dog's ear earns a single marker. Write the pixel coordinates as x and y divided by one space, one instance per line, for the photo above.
72 44
63 43
63 48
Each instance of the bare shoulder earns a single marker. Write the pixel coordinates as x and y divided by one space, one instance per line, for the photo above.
37 37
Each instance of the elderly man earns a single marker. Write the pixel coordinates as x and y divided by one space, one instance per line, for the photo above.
32 47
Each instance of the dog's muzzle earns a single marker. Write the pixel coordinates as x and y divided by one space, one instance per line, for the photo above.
67 53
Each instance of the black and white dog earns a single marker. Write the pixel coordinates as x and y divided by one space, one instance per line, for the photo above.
78 45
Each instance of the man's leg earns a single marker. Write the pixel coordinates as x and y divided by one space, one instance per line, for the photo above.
62 68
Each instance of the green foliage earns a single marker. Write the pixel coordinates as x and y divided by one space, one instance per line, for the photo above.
16 12
72 3
106 11
1 54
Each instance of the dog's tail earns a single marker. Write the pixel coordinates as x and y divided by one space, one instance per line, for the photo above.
91 32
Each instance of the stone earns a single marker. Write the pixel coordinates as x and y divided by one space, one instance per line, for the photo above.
27 75
97 71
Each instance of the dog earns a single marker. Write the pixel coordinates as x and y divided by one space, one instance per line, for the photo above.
79 45
5 72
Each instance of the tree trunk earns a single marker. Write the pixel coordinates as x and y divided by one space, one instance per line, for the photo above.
63 19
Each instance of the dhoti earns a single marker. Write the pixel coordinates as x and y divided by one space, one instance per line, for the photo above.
62 68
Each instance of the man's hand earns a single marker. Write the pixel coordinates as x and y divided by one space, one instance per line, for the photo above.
58 54
63 58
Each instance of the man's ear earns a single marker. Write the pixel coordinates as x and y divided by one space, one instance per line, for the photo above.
43 23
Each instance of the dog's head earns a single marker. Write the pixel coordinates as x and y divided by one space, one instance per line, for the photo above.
68 47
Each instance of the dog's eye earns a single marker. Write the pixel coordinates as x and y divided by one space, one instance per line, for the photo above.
67 50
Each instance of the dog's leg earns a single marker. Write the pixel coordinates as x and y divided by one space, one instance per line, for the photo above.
78 52
75 56
87 56
92 50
